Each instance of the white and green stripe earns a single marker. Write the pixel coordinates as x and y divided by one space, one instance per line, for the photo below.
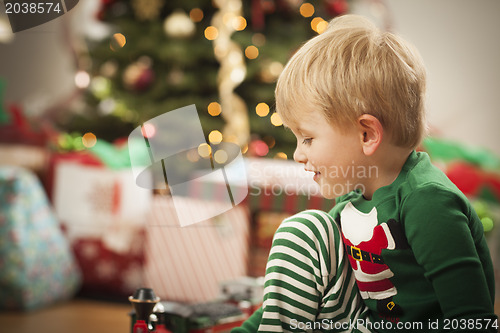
308 278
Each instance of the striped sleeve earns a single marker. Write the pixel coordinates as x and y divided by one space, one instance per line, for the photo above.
306 275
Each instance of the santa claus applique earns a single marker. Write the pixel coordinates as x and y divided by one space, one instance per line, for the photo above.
364 240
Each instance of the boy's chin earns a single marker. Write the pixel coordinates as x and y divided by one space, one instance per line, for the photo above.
327 192
335 190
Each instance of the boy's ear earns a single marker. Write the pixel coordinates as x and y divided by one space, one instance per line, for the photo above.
371 133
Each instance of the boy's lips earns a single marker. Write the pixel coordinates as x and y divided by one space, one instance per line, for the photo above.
316 174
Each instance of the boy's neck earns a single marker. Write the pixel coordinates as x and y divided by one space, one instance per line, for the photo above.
389 160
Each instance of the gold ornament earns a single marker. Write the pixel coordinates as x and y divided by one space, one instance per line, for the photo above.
232 70
147 10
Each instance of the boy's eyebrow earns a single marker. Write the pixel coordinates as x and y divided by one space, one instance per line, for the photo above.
302 129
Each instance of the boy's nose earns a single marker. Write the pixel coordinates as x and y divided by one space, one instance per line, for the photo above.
299 156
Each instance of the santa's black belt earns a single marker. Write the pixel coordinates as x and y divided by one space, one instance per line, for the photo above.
361 255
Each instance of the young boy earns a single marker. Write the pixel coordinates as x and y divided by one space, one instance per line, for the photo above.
354 98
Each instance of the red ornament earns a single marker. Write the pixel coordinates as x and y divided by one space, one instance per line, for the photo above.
144 80
105 5
258 148
138 76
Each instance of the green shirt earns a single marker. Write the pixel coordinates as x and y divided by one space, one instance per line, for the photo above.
418 253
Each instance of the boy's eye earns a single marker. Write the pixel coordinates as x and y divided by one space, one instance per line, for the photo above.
307 141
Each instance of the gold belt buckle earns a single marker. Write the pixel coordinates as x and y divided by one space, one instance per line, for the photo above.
358 252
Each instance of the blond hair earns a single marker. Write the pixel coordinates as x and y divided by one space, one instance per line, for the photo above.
353 68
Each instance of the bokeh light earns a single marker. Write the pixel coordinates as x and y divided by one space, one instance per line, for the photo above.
251 52
239 23
259 39
211 33
262 109
117 42
148 130
244 149
204 150
82 79
321 27
196 15
276 119
281 156
317 25
275 68
220 156
215 137
89 140
260 148
237 75
306 9
214 109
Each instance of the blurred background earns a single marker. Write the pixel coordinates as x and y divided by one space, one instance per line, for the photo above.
75 72
72 90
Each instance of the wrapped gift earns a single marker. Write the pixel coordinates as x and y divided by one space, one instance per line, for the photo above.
104 214
77 157
187 264
16 129
108 273
36 263
21 143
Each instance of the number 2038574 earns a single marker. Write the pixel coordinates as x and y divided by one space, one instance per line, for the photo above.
32 7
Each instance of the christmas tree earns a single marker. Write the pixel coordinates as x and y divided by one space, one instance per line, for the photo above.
224 56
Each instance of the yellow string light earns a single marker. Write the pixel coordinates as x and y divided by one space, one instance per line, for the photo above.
89 140
306 9
196 15
251 52
315 22
276 120
215 137
220 156
214 109
244 149
239 23
321 27
262 109
204 150
211 33
117 42
281 156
